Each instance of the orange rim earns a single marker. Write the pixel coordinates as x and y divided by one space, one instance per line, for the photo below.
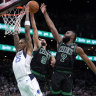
10 14
19 7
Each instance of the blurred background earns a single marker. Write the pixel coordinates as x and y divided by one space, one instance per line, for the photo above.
77 15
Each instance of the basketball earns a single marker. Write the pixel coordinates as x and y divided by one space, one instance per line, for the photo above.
33 6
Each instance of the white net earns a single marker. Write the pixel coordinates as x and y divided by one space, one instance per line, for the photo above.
12 20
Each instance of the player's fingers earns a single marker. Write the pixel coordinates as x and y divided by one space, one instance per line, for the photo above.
41 5
24 7
27 4
22 12
52 65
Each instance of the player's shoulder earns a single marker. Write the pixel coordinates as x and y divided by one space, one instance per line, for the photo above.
79 49
75 44
19 52
29 56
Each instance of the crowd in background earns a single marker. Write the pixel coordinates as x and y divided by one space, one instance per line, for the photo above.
84 88
8 88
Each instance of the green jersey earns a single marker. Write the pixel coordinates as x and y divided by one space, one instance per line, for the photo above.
65 57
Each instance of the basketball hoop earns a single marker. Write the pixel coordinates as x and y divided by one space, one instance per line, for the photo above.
12 20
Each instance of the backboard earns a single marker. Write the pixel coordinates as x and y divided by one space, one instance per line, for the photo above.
6 5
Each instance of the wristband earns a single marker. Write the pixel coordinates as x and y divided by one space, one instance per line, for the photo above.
27 23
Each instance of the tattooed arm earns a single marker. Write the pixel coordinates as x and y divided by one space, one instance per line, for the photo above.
27 32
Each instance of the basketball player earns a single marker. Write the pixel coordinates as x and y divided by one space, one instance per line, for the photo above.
66 53
27 83
42 59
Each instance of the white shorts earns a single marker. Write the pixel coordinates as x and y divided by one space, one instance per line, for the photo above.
28 87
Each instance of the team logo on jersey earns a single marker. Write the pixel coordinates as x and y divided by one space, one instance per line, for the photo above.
38 91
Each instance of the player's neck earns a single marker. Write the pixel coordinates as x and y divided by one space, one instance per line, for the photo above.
25 50
69 42
44 47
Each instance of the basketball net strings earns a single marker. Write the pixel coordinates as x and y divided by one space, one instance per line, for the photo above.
12 21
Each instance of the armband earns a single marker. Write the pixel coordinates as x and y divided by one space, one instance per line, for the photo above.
27 23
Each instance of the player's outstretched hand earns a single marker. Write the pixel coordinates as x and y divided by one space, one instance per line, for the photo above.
43 8
26 9
53 63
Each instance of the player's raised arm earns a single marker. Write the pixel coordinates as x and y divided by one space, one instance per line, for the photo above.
16 41
37 43
15 35
27 32
50 24
82 54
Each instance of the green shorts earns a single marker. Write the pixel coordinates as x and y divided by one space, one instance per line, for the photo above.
62 83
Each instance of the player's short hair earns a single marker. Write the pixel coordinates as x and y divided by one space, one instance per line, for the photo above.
39 38
24 39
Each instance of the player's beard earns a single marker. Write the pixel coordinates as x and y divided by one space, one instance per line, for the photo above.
66 39
43 43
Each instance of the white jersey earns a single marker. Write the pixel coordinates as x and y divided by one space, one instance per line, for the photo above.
21 64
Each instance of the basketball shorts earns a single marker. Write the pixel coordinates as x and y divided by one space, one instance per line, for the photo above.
61 83
28 87
41 80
